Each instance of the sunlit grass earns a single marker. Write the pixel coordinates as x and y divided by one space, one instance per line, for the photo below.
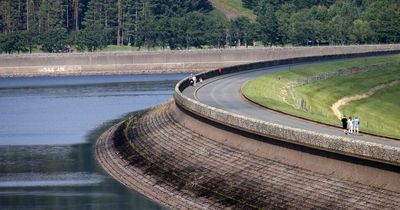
319 96
235 6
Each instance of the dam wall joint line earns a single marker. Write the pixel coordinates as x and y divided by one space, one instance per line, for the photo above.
342 145
127 132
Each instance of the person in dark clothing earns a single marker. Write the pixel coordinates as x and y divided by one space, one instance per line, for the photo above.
344 124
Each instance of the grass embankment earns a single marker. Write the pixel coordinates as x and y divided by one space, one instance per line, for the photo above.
233 9
379 113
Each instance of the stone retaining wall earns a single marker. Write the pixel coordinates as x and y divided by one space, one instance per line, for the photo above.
166 155
337 144
160 61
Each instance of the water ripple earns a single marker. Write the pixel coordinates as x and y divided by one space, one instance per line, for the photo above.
50 180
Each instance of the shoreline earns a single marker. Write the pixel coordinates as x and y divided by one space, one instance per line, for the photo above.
96 74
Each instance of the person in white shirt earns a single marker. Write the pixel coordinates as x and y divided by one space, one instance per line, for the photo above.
350 125
194 80
356 124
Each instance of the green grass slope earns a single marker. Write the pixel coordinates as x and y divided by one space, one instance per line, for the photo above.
319 96
232 9
380 113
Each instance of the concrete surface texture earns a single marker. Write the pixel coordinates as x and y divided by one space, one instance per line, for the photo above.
193 153
185 163
159 61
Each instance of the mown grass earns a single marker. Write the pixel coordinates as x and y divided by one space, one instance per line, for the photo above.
319 96
235 7
380 114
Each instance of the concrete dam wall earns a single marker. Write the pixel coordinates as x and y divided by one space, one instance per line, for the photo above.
159 61
187 155
337 144
186 162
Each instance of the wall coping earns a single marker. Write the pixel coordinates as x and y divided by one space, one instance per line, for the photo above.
337 144
195 51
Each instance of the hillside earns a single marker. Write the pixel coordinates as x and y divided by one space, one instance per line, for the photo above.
90 25
232 9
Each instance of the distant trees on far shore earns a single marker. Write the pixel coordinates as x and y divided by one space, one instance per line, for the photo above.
90 25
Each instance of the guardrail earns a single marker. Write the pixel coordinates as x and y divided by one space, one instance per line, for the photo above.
337 144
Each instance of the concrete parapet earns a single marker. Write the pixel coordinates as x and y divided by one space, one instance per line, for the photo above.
337 144
160 61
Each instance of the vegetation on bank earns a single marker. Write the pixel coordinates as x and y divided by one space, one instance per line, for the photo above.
89 25
233 9
386 102
379 114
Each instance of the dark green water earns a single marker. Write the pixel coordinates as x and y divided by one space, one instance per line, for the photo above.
48 127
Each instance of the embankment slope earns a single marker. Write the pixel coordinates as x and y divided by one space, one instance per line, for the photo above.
163 157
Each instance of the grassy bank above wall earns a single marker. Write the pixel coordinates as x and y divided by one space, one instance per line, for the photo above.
379 114
233 9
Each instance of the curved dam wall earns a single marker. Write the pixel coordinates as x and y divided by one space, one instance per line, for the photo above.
183 161
337 144
160 61
187 155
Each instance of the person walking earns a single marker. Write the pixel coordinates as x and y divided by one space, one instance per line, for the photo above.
344 124
194 80
356 124
350 125
191 79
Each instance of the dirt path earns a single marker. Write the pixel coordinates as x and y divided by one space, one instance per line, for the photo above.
343 101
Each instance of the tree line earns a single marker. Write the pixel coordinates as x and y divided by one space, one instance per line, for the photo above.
304 22
89 25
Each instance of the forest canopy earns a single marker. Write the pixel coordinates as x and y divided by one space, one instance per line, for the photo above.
89 25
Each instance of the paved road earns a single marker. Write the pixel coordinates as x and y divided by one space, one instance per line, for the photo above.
224 93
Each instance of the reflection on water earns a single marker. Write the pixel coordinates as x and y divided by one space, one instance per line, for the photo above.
47 180
47 130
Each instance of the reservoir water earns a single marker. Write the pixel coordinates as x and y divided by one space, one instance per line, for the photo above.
48 127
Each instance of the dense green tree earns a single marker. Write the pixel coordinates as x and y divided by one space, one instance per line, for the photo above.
196 29
217 30
172 8
51 15
302 29
179 24
252 34
251 4
54 40
175 32
343 14
147 36
92 37
362 32
239 30
283 16
14 42
243 32
383 17
268 26
2 42
1 24
103 12
10 14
